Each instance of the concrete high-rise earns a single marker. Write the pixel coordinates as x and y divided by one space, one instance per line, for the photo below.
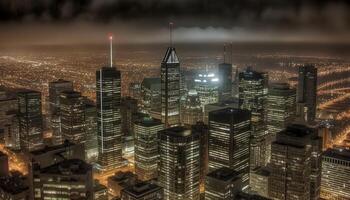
30 120
146 148
307 93
252 96
295 167
179 170
170 88
229 134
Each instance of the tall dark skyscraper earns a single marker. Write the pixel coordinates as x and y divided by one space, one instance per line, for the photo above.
108 97
253 87
170 87
30 120
295 167
91 144
72 116
307 93
229 134
225 73
179 170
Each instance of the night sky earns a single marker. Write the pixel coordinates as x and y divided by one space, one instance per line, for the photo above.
138 21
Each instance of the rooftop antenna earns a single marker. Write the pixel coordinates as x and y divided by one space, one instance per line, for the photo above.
111 48
231 53
171 33
224 53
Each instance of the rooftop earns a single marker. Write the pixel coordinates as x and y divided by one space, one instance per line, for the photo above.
228 115
142 188
339 153
13 184
148 121
178 131
224 174
52 148
68 167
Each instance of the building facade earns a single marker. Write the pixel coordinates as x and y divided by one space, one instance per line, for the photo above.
295 167
55 89
252 96
179 170
191 110
146 148
30 120
170 88
307 93
281 101
335 174
72 116
108 97
207 85
229 134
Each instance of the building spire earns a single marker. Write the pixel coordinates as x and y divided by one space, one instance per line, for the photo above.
231 46
171 33
111 49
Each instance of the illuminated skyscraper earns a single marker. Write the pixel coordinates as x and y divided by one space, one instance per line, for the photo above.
72 116
280 111
252 96
170 88
307 93
146 148
179 170
108 96
335 174
207 85
295 167
191 110
30 120
55 89
229 133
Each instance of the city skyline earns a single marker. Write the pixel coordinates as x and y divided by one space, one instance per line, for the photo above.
174 100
